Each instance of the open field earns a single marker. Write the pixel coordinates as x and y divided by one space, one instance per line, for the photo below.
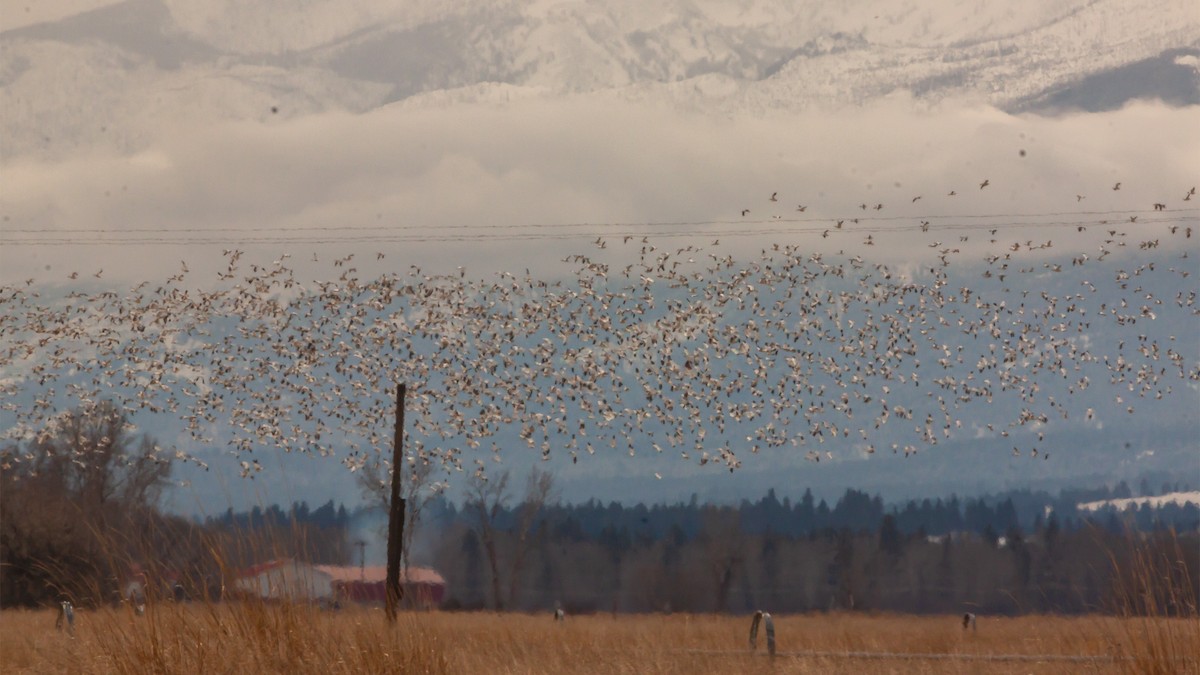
254 638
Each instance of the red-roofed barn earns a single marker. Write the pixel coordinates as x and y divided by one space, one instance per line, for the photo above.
295 580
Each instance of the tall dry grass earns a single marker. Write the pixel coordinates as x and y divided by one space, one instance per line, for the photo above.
239 638
1159 600
1156 629
255 637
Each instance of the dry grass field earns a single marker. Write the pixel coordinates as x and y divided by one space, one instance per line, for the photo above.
254 638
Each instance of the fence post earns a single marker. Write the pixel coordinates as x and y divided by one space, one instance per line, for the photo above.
395 591
764 618
770 633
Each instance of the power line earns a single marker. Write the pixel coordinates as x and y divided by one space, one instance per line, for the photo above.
319 235
646 224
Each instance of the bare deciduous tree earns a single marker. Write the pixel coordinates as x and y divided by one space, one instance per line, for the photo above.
417 488
90 455
723 549
75 501
486 499
538 491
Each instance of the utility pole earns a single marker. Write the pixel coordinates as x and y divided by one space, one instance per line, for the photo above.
395 592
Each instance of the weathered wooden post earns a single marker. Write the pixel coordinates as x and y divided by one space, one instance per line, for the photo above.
395 592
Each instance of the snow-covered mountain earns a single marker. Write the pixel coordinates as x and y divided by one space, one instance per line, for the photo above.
108 76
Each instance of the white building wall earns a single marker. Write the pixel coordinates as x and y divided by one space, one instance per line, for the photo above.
293 580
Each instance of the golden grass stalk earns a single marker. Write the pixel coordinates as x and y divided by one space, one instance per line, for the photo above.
1155 593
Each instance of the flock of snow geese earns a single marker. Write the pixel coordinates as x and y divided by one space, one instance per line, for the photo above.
637 347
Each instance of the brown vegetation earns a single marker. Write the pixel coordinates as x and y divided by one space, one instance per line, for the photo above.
79 521
254 637
78 503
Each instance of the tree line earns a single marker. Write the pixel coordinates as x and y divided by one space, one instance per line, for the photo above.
1001 554
855 510
80 530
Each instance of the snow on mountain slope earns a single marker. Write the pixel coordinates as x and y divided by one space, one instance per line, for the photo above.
100 79
299 25
46 11
60 100
1172 76
996 70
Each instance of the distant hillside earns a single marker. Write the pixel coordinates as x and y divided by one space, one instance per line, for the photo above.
97 78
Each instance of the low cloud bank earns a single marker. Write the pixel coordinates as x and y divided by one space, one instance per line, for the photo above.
454 186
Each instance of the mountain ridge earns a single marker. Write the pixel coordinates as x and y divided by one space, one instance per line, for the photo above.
137 60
